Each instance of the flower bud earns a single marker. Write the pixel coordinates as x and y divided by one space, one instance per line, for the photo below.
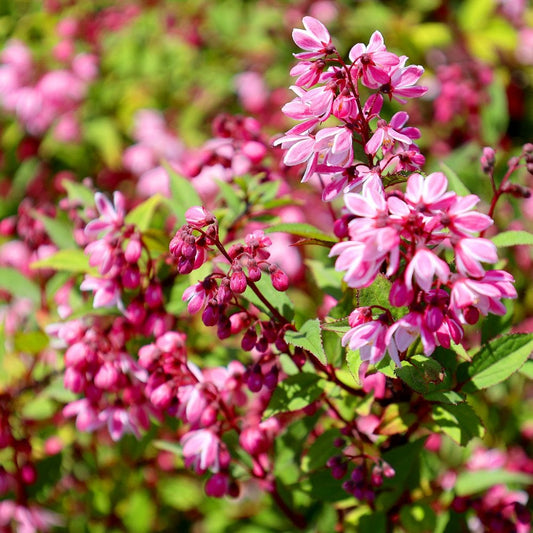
280 280
254 273
224 327
254 441
249 339
471 315
106 377
217 485
238 282
28 474
487 159
131 277
271 378
133 250
255 379
162 396
210 314
153 295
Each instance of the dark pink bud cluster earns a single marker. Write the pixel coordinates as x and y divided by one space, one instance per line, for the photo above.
407 232
364 479
329 151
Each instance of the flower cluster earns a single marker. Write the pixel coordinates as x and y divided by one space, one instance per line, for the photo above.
329 152
50 100
409 232
217 294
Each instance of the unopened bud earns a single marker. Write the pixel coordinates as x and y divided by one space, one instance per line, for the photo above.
280 280
249 339
217 485
487 159
238 282
255 379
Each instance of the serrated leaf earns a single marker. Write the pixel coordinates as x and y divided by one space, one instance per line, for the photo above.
513 238
445 397
527 369
294 393
455 182
141 216
301 230
472 482
422 374
459 422
19 285
309 338
495 362
65 261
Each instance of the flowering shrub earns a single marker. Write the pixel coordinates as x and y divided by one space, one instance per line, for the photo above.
318 330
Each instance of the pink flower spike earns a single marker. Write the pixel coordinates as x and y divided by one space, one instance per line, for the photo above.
424 266
315 39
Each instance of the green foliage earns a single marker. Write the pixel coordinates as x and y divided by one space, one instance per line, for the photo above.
495 362
294 393
459 422
309 337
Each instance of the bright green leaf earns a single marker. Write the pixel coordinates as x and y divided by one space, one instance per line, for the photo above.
472 482
513 238
309 338
19 285
301 230
59 230
459 422
141 216
422 374
396 419
279 300
31 341
496 361
183 194
66 261
294 393
455 182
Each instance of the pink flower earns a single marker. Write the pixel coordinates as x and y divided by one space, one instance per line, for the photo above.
374 61
369 339
470 252
315 39
424 266
405 331
106 292
429 192
385 136
402 82
201 450
315 103
111 214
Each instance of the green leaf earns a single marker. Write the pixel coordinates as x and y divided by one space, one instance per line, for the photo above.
445 397
229 195
396 419
495 362
59 230
19 285
320 451
527 369
78 192
141 216
138 511
66 261
459 422
372 523
294 393
455 182
495 115
326 277
472 482
183 194
180 493
168 446
31 341
279 300
423 374
309 338
378 294
102 133
301 230
418 518
513 238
